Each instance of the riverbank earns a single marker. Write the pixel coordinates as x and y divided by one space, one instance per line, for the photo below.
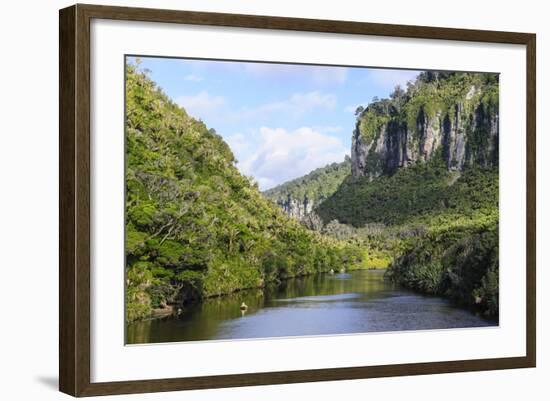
175 309
457 262
195 226
359 301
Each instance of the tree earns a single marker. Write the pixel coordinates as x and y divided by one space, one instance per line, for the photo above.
398 93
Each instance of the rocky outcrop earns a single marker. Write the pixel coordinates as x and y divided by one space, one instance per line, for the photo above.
300 196
461 128
296 208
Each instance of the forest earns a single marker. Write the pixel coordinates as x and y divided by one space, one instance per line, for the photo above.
418 197
195 226
421 193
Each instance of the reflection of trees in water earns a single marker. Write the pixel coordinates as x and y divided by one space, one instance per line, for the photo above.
323 284
202 320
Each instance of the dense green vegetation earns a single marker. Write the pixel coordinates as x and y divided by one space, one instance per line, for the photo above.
431 93
437 223
434 102
322 184
196 227
441 91
315 186
417 194
458 260
439 227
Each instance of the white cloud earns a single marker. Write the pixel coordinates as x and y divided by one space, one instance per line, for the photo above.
284 155
300 103
328 129
239 144
315 74
201 105
295 106
329 75
392 78
193 78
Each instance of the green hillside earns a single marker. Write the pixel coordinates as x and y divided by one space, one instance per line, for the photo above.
420 191
439 227
458 259
418 194
424 186
196 227
316 185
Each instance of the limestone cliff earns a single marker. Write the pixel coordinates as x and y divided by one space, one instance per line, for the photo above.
300 196
452 115
296 208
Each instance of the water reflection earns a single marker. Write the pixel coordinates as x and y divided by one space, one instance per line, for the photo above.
355 302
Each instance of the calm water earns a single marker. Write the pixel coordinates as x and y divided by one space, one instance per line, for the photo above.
356 302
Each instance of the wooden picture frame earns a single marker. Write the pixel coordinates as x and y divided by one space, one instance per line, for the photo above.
74 199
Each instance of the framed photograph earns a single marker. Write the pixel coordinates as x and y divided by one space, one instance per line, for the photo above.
250 200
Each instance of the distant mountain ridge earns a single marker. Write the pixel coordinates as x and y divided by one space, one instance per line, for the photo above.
301 196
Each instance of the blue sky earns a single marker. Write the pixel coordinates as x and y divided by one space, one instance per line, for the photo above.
281 120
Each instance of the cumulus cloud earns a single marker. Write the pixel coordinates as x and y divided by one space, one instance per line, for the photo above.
295 106
240 145
300 103
201 105
328 129
329 75
283 155
314 74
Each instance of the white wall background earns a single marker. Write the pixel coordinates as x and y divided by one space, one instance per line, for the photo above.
29 184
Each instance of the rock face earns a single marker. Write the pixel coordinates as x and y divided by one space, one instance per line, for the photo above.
296 208
462 127
300 196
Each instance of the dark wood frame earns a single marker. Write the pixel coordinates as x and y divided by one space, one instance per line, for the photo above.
74 199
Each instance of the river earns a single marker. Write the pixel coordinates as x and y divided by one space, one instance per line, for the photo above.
356 302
